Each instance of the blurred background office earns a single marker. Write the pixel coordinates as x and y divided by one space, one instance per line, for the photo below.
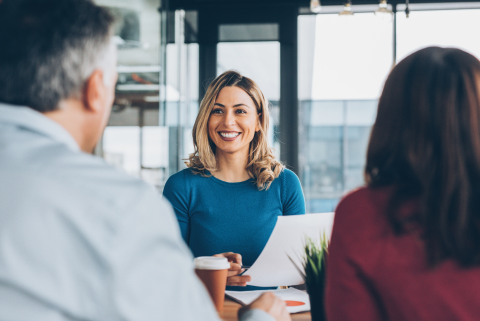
321 71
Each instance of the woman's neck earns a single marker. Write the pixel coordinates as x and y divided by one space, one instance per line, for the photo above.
232 167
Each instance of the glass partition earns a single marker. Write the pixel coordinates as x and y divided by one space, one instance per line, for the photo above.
446 28
133 133
149 132
259 61
343 62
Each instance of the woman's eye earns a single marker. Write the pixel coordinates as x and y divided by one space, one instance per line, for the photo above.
217 111
241 111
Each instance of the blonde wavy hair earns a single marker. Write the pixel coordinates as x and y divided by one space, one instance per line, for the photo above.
262 164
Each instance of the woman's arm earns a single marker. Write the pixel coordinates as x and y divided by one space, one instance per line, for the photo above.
293 200
350 294
175 192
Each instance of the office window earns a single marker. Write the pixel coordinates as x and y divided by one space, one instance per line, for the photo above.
133 140
445 28
181 100
343 63
259 61
149 131
121 148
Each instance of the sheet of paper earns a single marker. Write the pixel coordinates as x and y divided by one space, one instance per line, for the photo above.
273 267
297 301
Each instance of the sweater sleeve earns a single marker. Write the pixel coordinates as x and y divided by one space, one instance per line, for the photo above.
175 192
349 293
293 200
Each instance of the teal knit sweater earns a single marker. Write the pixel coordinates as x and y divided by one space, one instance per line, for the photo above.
216 216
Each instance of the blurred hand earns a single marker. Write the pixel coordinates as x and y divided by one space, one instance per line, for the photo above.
234 279
271 304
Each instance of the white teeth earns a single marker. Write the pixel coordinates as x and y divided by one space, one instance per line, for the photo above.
229 135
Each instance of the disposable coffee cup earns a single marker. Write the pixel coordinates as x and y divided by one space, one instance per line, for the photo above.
213 272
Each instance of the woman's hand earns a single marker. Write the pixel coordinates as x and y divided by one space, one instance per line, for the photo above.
234 279
271 304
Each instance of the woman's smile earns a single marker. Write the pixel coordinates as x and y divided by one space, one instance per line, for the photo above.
233 122
229 136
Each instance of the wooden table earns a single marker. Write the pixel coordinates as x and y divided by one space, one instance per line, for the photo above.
230 309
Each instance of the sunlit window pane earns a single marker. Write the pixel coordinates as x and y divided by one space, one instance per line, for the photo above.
259 61
343 63
353 56
121 148
446 28
155 147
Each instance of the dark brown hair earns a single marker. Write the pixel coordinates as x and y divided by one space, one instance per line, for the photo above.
426 143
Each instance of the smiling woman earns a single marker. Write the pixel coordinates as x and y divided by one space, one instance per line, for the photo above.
229 198
241 103
233 123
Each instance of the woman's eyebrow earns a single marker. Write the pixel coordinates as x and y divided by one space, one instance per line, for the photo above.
239 105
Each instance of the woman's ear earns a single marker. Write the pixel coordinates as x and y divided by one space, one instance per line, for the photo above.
257 128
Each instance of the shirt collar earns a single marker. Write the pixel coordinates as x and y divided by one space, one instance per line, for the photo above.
33 120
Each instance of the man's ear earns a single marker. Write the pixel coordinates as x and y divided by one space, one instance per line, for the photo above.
94 92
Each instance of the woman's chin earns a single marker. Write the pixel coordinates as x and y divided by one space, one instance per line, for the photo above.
231 150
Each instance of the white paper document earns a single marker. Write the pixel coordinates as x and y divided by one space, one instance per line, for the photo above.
297 301
273 267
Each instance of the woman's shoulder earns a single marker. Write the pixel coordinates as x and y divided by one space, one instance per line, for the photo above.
363 206
178 179
366 196
183 177
288 178
361 231
288 175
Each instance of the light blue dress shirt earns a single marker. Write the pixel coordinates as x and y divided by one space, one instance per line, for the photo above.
80 240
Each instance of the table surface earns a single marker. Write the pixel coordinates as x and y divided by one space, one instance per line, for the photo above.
230 309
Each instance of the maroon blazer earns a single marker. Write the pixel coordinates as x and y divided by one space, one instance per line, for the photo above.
373 274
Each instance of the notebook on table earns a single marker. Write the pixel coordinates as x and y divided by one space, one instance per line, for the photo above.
297 300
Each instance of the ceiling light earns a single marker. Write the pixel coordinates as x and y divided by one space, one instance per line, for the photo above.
347 10
315 6
383 12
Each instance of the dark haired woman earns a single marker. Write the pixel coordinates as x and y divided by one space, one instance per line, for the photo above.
407 246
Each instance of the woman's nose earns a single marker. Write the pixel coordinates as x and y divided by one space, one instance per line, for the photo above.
229 119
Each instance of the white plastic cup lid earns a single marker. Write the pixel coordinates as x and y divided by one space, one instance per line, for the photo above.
211 263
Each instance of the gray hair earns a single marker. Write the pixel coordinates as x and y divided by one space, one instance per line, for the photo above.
50 48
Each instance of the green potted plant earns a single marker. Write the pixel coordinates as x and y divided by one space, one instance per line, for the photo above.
313 272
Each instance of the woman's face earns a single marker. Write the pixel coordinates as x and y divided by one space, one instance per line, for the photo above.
233 121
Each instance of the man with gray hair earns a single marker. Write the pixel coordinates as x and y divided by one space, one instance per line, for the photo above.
78 239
